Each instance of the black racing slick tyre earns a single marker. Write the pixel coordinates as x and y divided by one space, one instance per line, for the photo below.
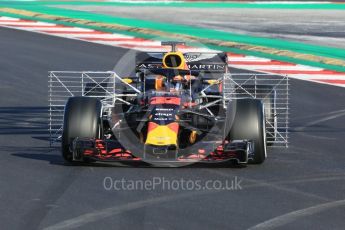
271 117
246 121
82 118
267 94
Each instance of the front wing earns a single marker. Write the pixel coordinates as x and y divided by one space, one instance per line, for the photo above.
112 151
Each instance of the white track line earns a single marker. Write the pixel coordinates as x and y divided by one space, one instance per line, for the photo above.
276 67
249 58
318 76
85 36
9 18
72 29
134 43
15 23
290 217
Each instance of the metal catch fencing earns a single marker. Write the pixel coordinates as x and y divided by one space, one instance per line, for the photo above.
273 91
104 85
66 84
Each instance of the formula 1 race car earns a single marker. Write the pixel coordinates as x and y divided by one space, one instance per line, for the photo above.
178 108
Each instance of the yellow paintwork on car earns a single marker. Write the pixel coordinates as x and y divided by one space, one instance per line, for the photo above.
161 135
213 82
182 65
127 80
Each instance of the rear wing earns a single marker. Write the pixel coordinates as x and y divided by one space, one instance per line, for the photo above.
196 61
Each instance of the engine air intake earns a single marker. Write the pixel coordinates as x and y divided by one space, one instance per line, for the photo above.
172 61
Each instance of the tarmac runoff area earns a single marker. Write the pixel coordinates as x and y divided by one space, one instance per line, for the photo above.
319 27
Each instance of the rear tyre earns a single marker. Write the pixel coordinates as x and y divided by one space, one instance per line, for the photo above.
245 120
82 118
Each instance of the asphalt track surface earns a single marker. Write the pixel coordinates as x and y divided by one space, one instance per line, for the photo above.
301 187
320 27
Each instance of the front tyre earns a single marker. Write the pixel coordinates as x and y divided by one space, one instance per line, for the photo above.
82 118
246 121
